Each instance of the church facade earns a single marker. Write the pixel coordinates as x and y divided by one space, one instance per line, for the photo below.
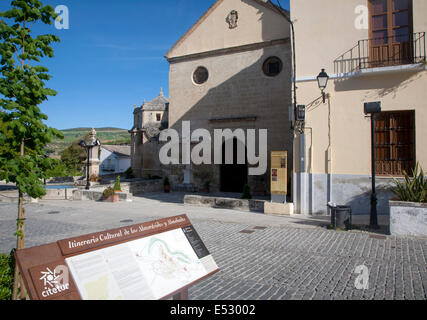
231 70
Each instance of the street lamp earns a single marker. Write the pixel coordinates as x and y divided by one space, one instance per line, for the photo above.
372 108
322 81
88 145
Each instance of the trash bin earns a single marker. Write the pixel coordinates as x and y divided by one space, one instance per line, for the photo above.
341 217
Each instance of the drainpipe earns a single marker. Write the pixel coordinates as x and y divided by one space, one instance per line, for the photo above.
294 75
303 178
294 82
329 164
311 200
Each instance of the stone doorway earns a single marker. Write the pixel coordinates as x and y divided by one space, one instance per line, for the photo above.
234 176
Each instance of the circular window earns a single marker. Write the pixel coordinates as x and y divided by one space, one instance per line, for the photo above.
272 66
201 75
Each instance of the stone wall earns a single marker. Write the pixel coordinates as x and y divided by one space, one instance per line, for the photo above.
237 94
343 189
134 186
408 218
59 194
97 195
225 203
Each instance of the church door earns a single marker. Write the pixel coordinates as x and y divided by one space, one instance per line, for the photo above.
233 176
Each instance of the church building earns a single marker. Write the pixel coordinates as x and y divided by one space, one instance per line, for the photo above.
230 70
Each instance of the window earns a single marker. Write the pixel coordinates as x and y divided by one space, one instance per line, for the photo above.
390 32
272 66
395 142
158 116
201 75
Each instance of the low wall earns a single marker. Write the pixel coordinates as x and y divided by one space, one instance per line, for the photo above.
225 203
311 193
59 194
129 188
84 195
64 179
408 218
142 186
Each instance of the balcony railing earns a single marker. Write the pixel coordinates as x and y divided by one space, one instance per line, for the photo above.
383 52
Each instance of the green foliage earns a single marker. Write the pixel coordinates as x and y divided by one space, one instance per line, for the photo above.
108 192
73 158
117 184
207 185
7 269
413 188
62 170
22 89
166 181
109 136
246 192
129 173
5 135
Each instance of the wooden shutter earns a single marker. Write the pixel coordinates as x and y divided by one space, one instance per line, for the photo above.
395 142
391 32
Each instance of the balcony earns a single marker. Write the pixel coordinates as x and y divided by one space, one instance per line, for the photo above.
403 49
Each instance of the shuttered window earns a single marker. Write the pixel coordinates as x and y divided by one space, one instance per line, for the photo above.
395 142
391 32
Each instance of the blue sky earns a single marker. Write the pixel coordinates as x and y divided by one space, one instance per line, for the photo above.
111 57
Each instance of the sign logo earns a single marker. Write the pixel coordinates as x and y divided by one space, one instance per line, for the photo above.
55 281
49 277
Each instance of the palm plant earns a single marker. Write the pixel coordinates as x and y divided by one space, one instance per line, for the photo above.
412 188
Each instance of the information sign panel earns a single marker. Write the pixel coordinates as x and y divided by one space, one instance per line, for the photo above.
278 182
152 260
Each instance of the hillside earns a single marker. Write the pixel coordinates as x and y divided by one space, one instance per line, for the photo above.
112 136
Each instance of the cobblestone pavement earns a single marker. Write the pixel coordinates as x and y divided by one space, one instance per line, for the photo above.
287 259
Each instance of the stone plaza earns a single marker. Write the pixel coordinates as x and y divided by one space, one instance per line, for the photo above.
260 256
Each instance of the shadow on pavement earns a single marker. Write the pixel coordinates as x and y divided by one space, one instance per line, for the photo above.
172 197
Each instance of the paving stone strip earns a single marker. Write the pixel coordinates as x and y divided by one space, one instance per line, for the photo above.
271 262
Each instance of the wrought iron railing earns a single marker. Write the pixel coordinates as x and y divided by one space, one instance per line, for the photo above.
381 52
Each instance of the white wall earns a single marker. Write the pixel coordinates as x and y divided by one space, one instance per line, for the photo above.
118 164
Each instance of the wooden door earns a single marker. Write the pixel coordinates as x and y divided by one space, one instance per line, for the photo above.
391 32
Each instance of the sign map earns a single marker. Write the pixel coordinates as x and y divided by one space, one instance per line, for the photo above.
160 259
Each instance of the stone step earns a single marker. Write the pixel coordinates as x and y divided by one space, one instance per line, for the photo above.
252 205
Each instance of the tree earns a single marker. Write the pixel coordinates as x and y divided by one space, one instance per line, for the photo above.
22 89
73 158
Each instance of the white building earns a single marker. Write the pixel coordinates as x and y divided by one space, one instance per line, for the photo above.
114 159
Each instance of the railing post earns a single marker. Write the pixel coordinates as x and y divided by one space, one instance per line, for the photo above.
424 40
414 49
